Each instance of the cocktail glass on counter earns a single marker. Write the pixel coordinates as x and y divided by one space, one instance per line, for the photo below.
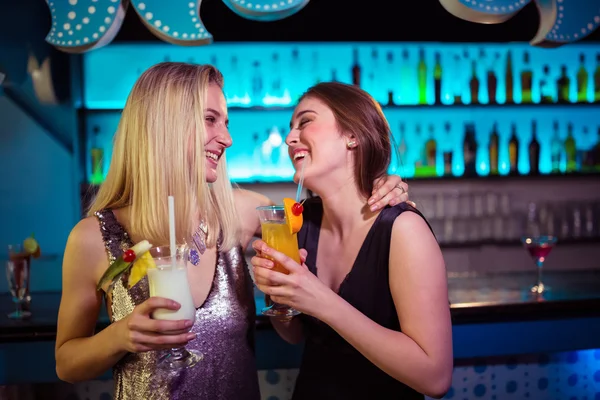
17 275
169 280
539 247
20 255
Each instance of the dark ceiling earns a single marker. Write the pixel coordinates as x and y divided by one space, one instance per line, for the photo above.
334 20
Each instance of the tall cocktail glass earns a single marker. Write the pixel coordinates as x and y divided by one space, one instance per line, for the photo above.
276 234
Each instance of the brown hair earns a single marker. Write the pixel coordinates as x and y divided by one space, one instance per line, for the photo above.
357 113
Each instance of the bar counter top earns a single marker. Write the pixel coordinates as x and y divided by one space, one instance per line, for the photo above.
474 298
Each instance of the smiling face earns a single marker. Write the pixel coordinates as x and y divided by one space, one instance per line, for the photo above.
341 133
315 139
216 123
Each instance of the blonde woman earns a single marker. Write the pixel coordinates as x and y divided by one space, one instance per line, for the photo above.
171 140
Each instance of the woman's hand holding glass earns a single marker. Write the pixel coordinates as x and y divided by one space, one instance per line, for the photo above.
139 332
300 289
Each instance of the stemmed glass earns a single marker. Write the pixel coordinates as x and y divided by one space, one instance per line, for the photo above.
277 235
539 247
17 275
169 280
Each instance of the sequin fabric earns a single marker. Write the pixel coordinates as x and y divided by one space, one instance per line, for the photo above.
224 326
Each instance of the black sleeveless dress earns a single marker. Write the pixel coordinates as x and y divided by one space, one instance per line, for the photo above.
331 368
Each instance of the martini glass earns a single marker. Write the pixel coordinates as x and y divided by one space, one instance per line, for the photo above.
539 247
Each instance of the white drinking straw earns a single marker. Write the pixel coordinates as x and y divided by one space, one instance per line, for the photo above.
172 230
300 181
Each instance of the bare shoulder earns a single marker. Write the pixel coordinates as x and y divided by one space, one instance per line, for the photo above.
411 233
87 234
246 202
85 243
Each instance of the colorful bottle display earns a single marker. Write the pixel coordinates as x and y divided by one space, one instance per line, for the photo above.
463 126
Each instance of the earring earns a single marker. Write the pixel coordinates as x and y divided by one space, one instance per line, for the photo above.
351 144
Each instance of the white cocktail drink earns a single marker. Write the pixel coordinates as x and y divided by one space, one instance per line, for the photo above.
172 283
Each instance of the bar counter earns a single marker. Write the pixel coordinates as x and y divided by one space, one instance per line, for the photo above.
492 314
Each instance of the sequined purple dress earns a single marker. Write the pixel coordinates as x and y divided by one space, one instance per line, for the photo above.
224 325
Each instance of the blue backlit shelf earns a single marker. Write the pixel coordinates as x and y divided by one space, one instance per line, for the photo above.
387 107
264 80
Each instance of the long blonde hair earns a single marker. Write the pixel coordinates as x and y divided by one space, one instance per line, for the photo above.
162 120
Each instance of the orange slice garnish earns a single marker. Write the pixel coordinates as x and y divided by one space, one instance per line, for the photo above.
293 214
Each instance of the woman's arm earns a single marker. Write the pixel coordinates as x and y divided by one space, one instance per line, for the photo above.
246 202
421 355
388 190
82 355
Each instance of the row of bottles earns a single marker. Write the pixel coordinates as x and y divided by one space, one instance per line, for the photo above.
477 158
491 76
260 74
445 148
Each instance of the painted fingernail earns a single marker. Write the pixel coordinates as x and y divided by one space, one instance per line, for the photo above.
191 336
189 323
374 207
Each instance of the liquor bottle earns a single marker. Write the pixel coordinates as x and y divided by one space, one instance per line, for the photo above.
437 79
257 84
513 150
509 79
371 85
582 81
355 69
457 80
406 94
257 156
97 157
422 77
492 81
585 157
431 149
298 83
334 77
234 89
570 150
276 86
448 153
419 152
597 151
389 77
526 80
316 68
556 148
493 149
597 80
546 86
402 148
474 84
390 99
563 85
470 150
534 151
